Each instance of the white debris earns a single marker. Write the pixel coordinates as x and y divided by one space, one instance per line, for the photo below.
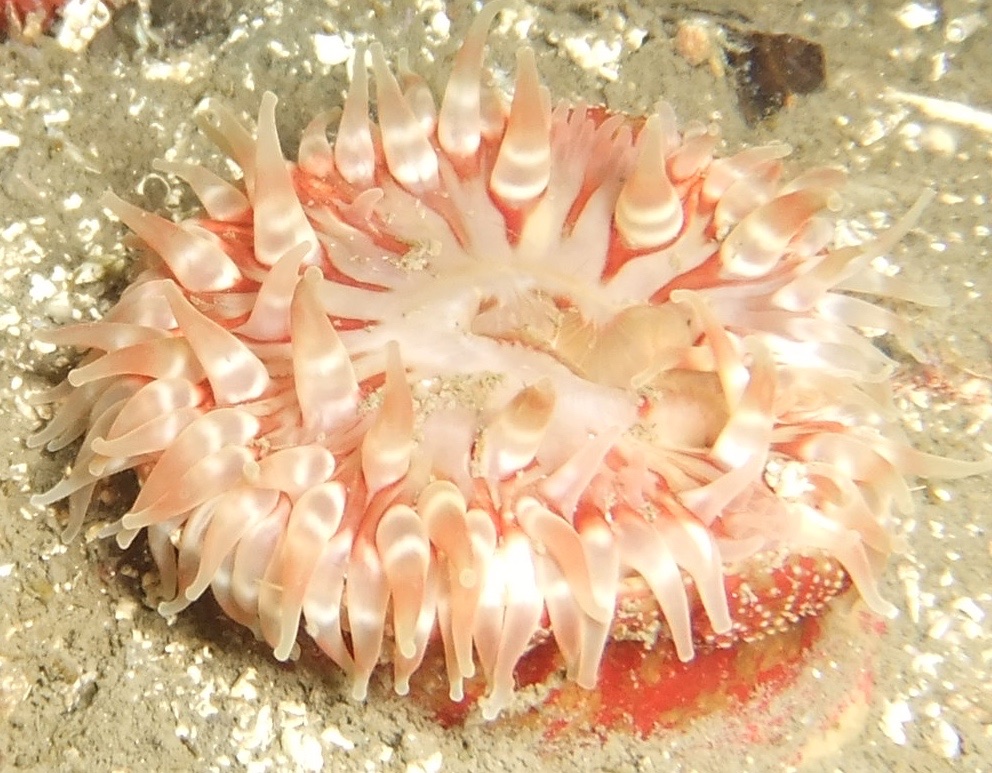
331 50
292 714
913 16
13 99
204 706
963 27
56 117
946 741
125 610
243 687
896 714
258 736
944 109
599 55
968 607
81 21
333 737
926 663
430 765
440 24
302 748
183 71
41 288
9 140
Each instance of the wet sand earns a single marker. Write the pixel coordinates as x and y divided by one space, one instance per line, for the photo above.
91 678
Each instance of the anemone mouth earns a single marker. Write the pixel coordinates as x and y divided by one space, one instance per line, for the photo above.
490 371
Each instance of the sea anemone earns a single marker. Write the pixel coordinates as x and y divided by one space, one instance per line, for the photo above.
496 372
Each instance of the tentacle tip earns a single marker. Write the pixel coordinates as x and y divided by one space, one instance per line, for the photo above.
604 614
109 199
70 533
722 624
98 464
75 379
406 647
490 708
585 682
885 609
173 607
133 520
835 202
360 687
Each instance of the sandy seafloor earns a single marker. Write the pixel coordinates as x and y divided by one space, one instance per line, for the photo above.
91 678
